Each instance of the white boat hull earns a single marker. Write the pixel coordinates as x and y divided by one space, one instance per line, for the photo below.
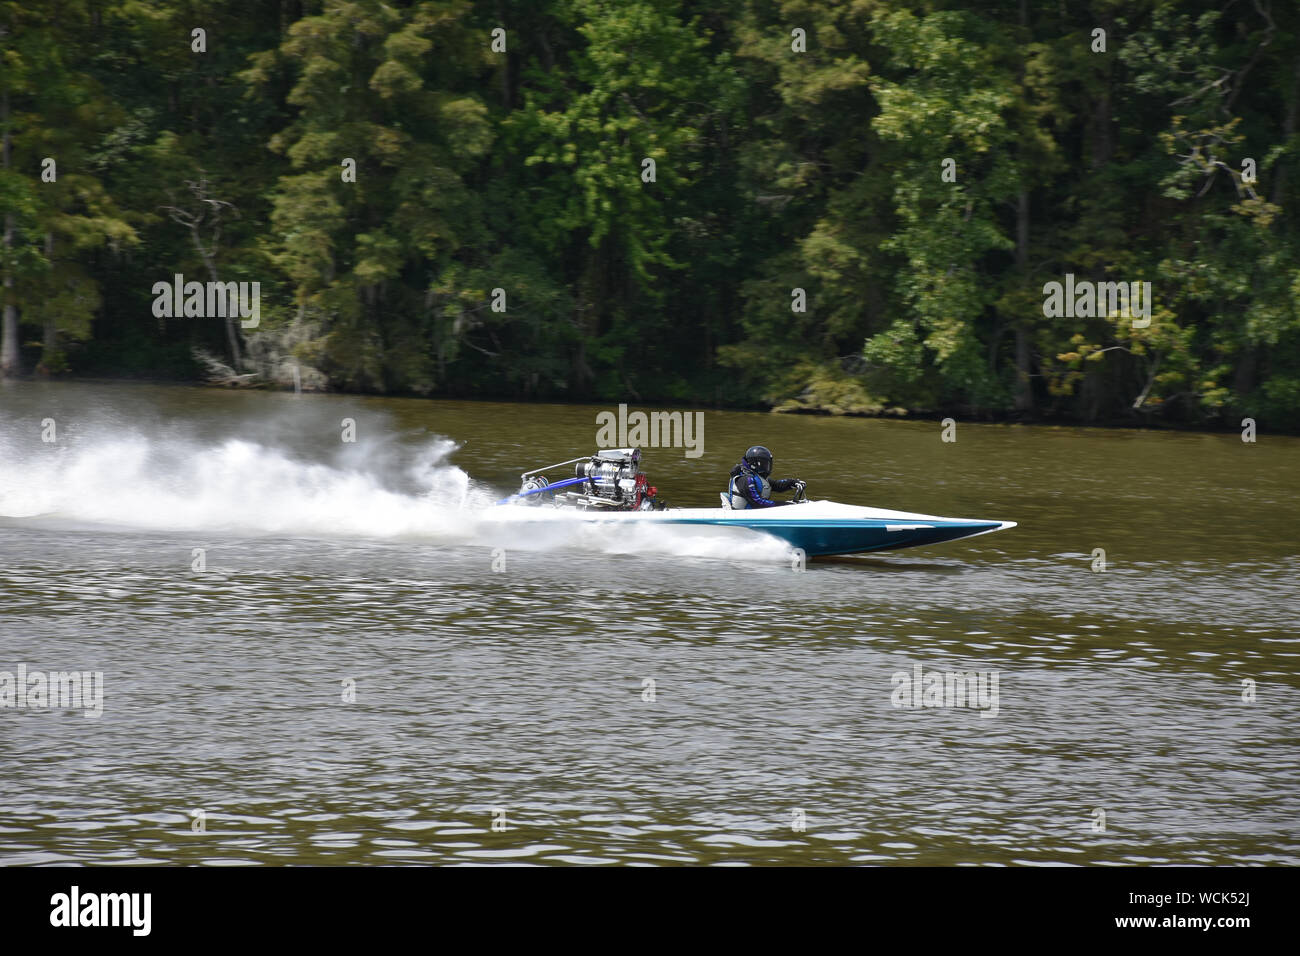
816 527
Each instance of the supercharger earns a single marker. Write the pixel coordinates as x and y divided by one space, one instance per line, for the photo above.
608 480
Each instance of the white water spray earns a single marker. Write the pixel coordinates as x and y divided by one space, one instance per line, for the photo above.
131 480
172 480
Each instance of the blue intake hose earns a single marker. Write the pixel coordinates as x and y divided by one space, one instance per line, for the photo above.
535 491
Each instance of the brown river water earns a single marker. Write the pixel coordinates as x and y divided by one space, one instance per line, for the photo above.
307 653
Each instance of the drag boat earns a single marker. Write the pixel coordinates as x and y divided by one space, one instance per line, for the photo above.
609 487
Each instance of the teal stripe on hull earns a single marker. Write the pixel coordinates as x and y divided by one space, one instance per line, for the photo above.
827 537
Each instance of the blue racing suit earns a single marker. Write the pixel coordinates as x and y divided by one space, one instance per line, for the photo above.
748 490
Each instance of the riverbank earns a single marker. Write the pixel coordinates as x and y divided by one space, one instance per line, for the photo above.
958 414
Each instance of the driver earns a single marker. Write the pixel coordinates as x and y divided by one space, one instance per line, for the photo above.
750 487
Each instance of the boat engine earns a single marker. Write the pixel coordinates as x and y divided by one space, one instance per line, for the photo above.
607 480
615 480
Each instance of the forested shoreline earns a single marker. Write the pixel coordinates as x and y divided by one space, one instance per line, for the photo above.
848 208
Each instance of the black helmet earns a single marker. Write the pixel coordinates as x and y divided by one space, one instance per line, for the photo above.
759 460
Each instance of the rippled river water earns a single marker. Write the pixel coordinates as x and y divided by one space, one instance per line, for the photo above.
308 655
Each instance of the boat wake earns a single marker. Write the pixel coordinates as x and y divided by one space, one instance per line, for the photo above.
235 484
174 480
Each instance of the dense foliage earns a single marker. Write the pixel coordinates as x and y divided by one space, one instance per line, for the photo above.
912 174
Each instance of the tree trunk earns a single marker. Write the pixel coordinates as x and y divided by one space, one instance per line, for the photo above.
590 301
1103 141
1243 379
51 342
9 367
1024 384
1288 130
232 336
506 99
1024 400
